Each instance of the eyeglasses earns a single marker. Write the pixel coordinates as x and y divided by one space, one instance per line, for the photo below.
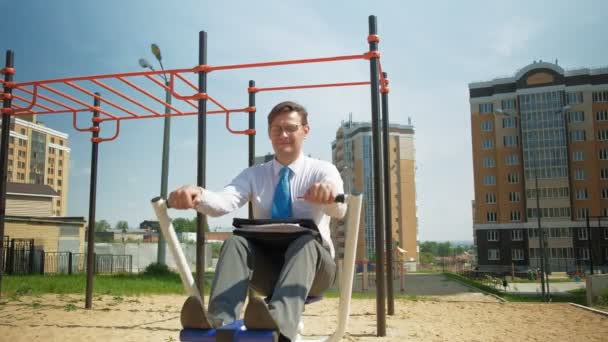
276 131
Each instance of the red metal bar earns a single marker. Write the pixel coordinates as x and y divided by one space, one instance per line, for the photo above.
148 94
101 77
99 140
47 99
75 100
77 87
185 80
308 86
170 89
293 61
103 85
74 124
31 104
240 110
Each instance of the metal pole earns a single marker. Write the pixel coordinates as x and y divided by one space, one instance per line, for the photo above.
4 140
251 136
92 203
200 165
541 236
589 244
164 175
387 199
377 172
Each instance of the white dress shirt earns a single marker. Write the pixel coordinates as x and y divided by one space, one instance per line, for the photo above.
257 184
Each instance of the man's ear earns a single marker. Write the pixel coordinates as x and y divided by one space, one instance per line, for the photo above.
306 129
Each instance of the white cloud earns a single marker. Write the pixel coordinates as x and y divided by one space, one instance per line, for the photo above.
514 34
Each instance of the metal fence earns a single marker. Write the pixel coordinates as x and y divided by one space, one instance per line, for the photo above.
20 256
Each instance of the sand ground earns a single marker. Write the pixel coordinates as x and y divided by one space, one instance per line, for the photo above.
455 317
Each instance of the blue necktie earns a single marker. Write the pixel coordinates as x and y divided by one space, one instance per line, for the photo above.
281 202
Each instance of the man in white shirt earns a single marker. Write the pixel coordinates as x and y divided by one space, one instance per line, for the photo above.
290 186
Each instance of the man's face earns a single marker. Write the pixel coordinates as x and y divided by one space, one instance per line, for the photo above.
287 133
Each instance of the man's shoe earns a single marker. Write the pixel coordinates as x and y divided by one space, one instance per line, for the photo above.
193 316
257 315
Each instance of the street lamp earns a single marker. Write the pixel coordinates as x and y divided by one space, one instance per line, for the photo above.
166 137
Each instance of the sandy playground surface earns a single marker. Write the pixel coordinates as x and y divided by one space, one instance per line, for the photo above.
460 317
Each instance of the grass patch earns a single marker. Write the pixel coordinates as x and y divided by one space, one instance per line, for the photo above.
574 296
15 286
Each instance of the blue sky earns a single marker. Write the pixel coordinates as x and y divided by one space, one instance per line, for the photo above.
430 49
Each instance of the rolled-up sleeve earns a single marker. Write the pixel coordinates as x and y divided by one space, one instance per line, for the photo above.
232 197
332 176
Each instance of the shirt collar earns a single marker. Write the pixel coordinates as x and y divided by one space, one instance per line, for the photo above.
296 167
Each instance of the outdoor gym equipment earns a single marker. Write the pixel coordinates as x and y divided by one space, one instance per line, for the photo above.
196 322
80 95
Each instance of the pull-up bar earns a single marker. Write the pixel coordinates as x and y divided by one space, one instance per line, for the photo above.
43 97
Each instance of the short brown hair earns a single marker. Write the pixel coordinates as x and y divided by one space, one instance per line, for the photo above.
288 107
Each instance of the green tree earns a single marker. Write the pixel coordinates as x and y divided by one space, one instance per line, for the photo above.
123 226
181 224
102 226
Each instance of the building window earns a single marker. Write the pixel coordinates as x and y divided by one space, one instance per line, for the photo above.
601 116
512 159
517 254
605 233
515 216
605 212
603 154
59 183
493 254
509 122
22 131
575 117
489 180
510 140
487 126
488 162
491 216
508 104
600 96
491 198
581 194
517 235
582 213
487 144
486 108
578 135
604 173
583 253
578 155
513 178
514 196
602 134
582 234
604 193
579 174
492 235
574 97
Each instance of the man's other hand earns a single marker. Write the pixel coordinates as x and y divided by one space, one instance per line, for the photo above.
186 197
320 193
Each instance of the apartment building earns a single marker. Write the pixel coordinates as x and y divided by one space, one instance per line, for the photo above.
351 153
540 159
39 155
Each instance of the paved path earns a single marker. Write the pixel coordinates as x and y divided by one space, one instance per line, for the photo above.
561 287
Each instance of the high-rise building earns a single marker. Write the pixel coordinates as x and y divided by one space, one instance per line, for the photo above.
543 130
39 155
352 155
